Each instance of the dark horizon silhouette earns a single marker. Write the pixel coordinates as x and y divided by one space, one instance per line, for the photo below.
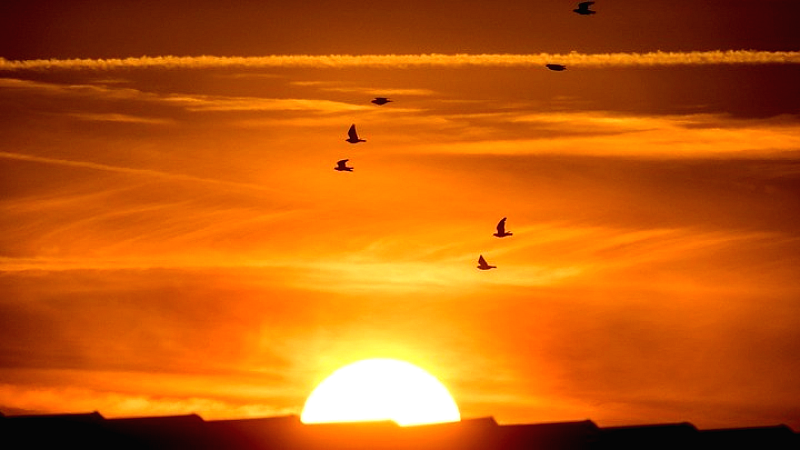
93 431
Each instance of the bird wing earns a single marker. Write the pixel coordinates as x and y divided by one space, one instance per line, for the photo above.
501 226
352 132
482 261
342 163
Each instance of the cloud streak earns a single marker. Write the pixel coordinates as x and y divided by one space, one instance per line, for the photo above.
187 101
602 134
133 171
737 57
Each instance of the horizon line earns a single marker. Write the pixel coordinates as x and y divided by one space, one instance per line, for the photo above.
483 419
404 61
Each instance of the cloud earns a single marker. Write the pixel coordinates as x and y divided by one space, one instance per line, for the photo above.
410 61
73 89
608 134
120 118
189 102
331 86
110 403
216 103
130 170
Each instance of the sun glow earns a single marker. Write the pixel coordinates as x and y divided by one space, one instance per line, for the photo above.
380 389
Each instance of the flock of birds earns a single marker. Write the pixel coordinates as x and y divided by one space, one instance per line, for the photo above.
352 137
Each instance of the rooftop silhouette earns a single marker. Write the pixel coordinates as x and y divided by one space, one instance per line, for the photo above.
93 431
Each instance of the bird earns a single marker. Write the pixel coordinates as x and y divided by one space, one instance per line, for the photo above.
352 136
501 229
556 67
380 100
483 265
342 166
583 8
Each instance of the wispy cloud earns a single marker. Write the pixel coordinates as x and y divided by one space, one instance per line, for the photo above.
120 118
72 89
685 136
211 103
189 102
130 170
408 61
333 86
178 400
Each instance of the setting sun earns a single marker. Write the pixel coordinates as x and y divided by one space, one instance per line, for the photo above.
380 389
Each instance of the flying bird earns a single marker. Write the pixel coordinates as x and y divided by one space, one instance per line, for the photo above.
483 265
381 101
501 229
583 8
556 67
352 136
342 166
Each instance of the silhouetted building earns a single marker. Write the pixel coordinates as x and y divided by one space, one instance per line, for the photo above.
564 435
93 431
54 431
256 434
175 432
775 437
678 435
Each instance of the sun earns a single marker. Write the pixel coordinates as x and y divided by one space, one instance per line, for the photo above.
380 389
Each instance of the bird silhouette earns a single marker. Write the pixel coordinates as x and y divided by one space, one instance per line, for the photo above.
342 166
583 8
483 265
381 101
501 229
556 67
352 136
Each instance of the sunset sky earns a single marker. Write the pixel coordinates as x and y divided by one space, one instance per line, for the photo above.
174 239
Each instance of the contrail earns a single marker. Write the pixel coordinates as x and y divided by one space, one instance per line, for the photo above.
411 61
128 170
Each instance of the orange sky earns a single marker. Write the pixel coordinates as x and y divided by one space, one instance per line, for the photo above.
173 238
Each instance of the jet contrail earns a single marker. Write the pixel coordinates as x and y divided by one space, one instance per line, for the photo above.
411 61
